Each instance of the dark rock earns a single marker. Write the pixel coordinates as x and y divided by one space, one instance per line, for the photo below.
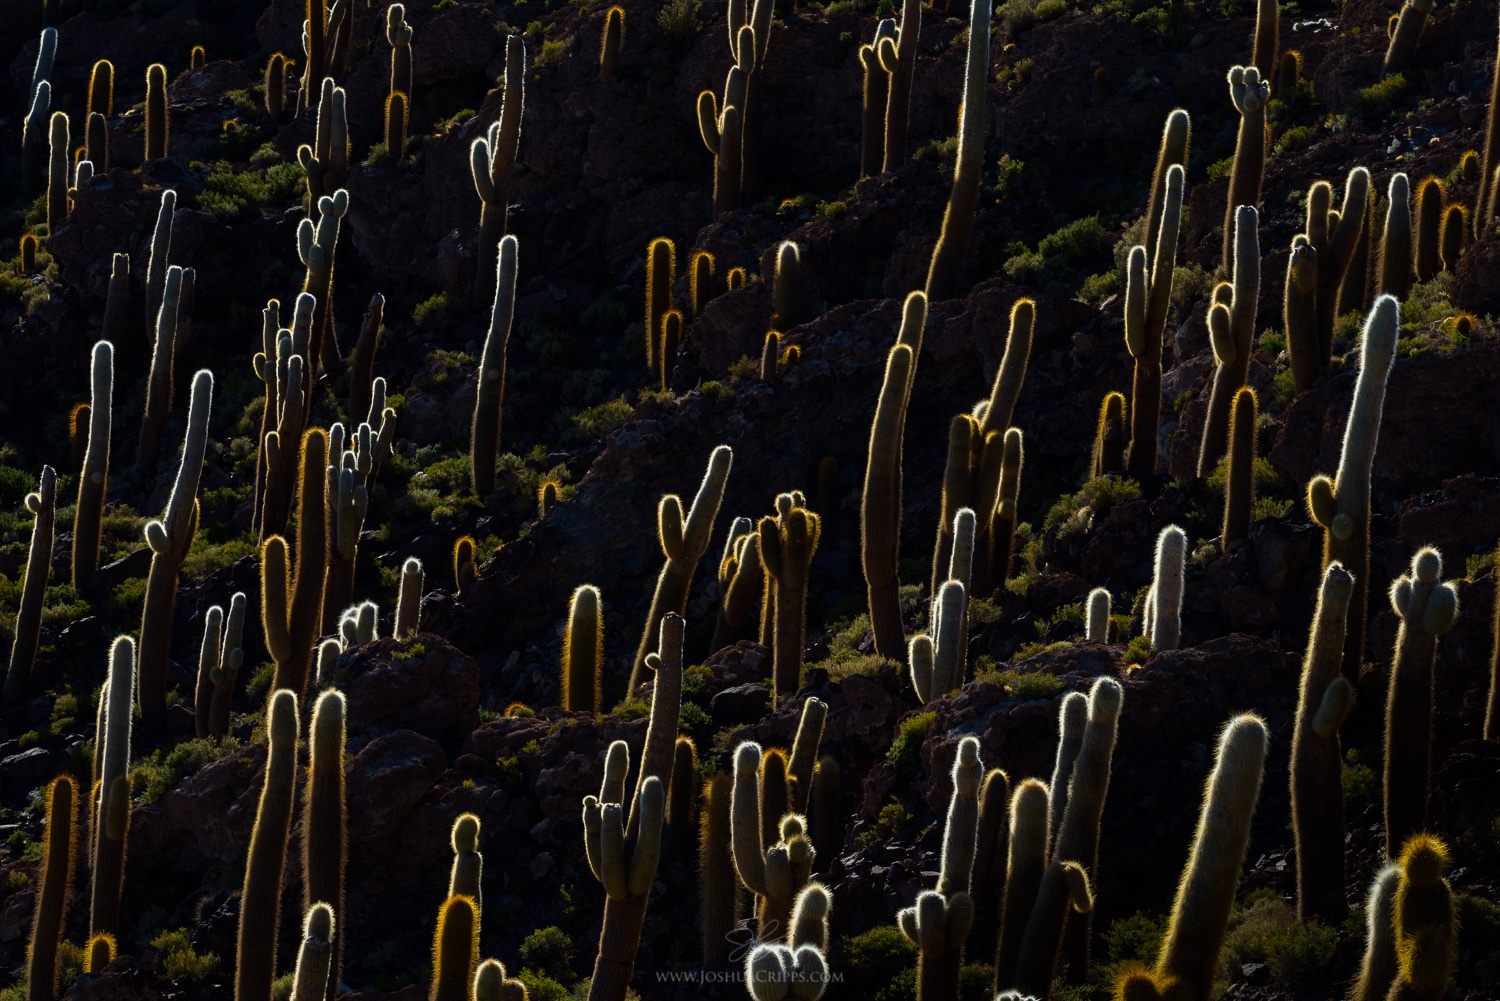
424 684
740 704
31 768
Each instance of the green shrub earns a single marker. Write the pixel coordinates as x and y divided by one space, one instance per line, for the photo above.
175 956
152 778
904 757
880 964
546 951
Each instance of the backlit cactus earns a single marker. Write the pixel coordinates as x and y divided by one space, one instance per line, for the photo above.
409 602
1108 455
398 34
111 810
752 168
275 87
1072 718
722 128
1337 237
231 659
260 901
682 794
1395 270
1146 301
898 55
1431 202
1300 313
465 571
1163 610
1454 237
1250 94
208 660
1267 38
1239 486
163 355
661 272
491 984
1425 925
156 112
804 758
59 149
958 218
1405 36
719 908
873 99
775 873
1377 968
55 884
700 281
1341 506
1427 609
316 246
1024 869
788 271
324 826
21 676
310 978
93 479
583 651
609 46
741 577
292 609
787 545
35 141
779 973
492 160
326 161
484 431
348 499
455 950
467 874
1232 342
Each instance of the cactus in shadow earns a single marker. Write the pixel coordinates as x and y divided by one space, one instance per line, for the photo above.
1341 506
611 42
1377 968
1108 455
35 140
1024 868
722 129
455 950
623 851
93 480
326 162
275 87
1454 236
773 794
683 542
1163 609
1300 313
1427 609
876 86
348 499
682 794
231 658
291 610
398 35
1072 718
316 245
958 487
260 901
465 572
310 979
111 809
208 662
778 973
787 545
409 602
937 658
1340 239
1317 759
1232 343
1239 487
788 270
1405 36
752 168
824 814
492 160
324 826
396 114
57 173
716 877
156 112
1396 268
1250 93
1425 925
741 577
671 340
1267 39
804 759
958 218
1484 201
700 281
286 374
939 923
1431 202
898 56
484 432
661 272
170 538
96 142
991 848
159 381
55 881
99 952
583 651
1146 302
22 675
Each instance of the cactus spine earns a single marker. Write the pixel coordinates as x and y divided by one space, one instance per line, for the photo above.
898 56
324 838
958 218
56 882
1250 93
583 651
684 542
1232 352
1424 922
941 919
156 112
873 99
1164 601
1427 609
1109 438
310 980
1267 38
609 46
1239 488
22 676
1377 968
231 658
260 901
409 603
1027 860
787 545
484 434
159 382
1146 302
455 950
111 811
1317 761
492 160
720 893
1341 506
1395 267
93 481
57 174
1407 33
170 538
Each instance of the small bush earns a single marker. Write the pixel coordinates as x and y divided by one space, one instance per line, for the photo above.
678 21
176 958
877 962
546 950
904 757
161 772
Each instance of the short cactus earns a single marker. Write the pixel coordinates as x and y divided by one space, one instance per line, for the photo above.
958 218
208 661
788 270
787 545
1300 313
226 667
700 281
1239 487
1377 968
324 826
898 55
583 651
671 341
467 873
156 112
1341 506
661 272
1427 609
1395 270
398 35
310 979
1454 237
409 603
777 973
396 115
484 431
937 659
1250 93
22 676
611 43
492 160
111 810
275 87
260 901
1108 456
455 950
1146 301
1097 616
99 952
55 882
1232 342
1164 601
491 984
1405 36
292 609
465 571
1289 70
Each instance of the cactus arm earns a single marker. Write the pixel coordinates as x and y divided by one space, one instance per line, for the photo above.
1173 149
1233 369
901 69
1012 371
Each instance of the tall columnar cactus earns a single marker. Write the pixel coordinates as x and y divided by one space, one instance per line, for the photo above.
55 882
326 162
208 661
623 850
231 658
939 923
1267 39
111 810
722 129
958 218
671 340
787 545
825 818
1377 968
1146 301
991 849
1189 956
21 676
965 448
1000 540
484 431
788 273
46 57
316 246
324 834
1317 761
1405 36
60 153
773 794
1300 313
1431 201
741 576
1239 487
1395 268
1425 925
1484 201
1164 600
877 85
310 978
1251 92
661 272
465 571
804 759
467 874
93 480
683 541
492 160
455 950
282 367
409 602
1335 236
35 141
170 538
1072 718
880 509
96 141
292 610
779 973
898 56
775 873
682 794
1232 352
156 112
1108 455
159 381
260 901
583 651
1097 615
611 42
716 878
1027 860
1427 609
1341 506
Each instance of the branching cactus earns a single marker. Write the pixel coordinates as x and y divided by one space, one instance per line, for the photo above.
752 170
1164 600
1405 36
1239 487
1232 353
1395 268
1024 868
939 923
55 882
1250 93
326 162
409 603
492 160
877 85
310 979
683 541
787 545
609 46
159 381
491 984
316 245
965 451
1335 236
93 481
774 873
1341 506
778 973
291 610
467 873
722 129
583 651
57 173
958 218
455 950
260 901
208 662
1072 718
156 112
22 675
1426 927
661 272
1097 619
324 826
398 35
170 538
484 432
1108 456
804 759
287 392
35 141
111 810
1377 968
1427 609
716 877
1146 301
741 576
898 55
359 625
348 499
1317 759
880 509
231 659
